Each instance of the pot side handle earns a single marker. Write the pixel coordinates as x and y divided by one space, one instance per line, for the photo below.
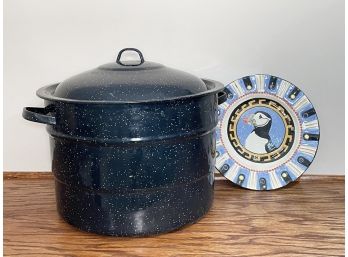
222 97
40 115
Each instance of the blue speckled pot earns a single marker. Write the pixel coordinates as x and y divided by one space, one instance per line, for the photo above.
135 165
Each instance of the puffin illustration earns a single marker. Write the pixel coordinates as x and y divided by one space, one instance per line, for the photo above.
259 140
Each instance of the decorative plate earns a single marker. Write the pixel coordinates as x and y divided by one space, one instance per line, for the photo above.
268 133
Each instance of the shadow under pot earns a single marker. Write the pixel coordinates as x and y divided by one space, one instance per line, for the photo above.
133 146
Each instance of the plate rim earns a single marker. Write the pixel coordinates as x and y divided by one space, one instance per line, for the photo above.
245 186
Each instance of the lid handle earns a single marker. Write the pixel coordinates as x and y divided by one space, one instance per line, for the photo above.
118 60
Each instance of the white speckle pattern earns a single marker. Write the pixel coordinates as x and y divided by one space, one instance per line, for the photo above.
133 153
135 169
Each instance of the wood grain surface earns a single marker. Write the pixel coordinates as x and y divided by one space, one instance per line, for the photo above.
304 219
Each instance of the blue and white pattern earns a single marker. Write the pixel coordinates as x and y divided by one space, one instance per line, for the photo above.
268 133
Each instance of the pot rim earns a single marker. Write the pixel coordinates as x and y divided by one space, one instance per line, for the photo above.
47 92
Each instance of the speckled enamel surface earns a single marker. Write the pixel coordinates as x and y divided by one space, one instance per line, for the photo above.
134 169
148 81
132 146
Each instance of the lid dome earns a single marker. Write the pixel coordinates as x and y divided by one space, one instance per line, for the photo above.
130 81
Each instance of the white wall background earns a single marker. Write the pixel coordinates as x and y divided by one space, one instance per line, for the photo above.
298 40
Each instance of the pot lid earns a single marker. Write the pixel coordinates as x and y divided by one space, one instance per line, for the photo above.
124 81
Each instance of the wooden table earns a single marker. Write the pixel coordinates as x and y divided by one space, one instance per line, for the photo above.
304 219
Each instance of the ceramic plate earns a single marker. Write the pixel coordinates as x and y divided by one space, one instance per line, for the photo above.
268 133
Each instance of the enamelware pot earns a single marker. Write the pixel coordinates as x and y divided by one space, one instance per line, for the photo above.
133 146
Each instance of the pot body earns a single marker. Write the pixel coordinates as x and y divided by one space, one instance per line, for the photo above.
134 169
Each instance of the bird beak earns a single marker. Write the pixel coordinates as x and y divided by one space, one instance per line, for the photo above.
248 120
